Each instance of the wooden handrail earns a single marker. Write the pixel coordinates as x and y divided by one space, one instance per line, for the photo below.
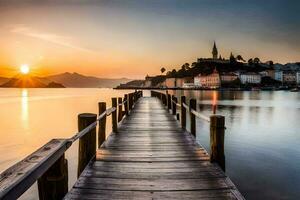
18 178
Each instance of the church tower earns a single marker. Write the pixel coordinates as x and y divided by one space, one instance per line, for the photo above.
215 52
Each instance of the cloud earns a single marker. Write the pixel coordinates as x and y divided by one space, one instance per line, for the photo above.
48 37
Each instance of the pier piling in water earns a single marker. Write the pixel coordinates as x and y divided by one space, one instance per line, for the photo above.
54 183
120 109
217 130
114 115
183 112
102 124
87 143
193 106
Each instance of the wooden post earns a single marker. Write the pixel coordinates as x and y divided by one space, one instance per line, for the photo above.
183 113
53 184
217 132
120 111
169 101
193 106
126 104
174 107
130 101
114 115
87 143
102 124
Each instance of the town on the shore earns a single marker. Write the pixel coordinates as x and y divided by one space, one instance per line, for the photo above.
219 73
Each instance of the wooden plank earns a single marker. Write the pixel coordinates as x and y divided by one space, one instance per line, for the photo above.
152 184
152 157
80 193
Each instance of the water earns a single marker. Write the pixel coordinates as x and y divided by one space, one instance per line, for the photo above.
29 118
262 139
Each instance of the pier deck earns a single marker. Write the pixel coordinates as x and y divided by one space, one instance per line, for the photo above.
152 157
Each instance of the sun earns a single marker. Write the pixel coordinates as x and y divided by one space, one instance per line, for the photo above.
24 69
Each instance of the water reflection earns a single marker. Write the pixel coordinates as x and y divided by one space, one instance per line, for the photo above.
24 106
214 101
262 134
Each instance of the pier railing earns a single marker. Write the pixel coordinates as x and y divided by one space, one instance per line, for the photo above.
48 165
217 123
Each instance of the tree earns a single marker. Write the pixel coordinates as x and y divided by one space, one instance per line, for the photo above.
270 63
187 66
256 60
240 58
194 64
250 62
232 58
162 70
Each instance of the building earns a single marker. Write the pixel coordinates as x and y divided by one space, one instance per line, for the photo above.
228 77
215 52
278 75
148 81
250 78
298 77
289 77
170 82
180 82
208 81
188 85
268 72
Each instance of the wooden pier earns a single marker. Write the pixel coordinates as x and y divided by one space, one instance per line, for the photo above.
149 155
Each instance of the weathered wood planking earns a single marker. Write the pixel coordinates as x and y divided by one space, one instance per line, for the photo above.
151 157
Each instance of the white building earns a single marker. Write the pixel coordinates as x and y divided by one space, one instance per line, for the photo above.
278 76
250 77
298 77
228 77
188 85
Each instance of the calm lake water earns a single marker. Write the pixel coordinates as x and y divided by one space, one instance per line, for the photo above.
29 118
262 139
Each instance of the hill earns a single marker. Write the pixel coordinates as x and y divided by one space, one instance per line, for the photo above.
26 81
76 80
3 80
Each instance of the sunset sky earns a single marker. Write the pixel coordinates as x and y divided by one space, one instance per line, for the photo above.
132 38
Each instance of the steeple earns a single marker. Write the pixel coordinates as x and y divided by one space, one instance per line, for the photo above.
215 51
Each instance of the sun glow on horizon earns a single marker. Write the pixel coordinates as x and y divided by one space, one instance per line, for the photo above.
24 69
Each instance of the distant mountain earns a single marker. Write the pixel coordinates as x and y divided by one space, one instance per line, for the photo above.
3 80
76 80
26 81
